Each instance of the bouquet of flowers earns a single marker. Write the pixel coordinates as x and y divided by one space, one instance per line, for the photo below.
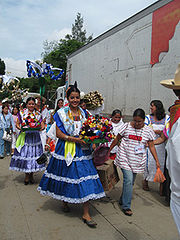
96 130
30 123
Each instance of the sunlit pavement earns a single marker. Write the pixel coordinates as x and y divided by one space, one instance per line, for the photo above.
25 214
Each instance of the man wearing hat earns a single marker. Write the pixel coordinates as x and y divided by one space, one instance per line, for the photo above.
173 147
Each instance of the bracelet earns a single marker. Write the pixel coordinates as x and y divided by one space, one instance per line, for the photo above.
66 137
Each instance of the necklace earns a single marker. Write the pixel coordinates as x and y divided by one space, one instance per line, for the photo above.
74 118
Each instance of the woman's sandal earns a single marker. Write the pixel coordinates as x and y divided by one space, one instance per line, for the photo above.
26 182
127 212
91 223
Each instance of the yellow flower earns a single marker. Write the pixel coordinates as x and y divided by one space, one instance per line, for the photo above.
106 122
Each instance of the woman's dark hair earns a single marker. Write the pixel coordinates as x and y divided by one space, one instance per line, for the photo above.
116 111
15 107
4 105
72 88
139 113
160 112
57 107
29 99
23 104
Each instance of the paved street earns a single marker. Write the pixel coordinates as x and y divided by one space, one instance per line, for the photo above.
25 214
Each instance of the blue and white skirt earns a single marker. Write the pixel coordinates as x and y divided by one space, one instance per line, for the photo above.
76 183
25 161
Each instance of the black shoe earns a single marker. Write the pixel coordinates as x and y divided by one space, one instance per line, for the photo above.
90 223
26 182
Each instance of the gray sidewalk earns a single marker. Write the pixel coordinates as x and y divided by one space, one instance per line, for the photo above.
25 214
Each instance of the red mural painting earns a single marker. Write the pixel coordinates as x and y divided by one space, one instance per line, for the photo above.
164 21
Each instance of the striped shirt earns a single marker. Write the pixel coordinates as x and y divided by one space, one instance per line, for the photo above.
126 157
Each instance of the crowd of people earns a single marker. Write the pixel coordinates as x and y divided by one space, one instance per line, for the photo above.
70 176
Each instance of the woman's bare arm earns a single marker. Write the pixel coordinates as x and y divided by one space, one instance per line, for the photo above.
154 153
160 139
61 135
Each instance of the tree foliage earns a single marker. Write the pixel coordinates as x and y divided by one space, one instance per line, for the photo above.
56 53
77 31
2 67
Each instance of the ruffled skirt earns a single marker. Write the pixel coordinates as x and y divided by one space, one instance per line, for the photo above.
76 183
25 161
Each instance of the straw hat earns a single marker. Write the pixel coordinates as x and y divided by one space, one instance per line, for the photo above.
173 83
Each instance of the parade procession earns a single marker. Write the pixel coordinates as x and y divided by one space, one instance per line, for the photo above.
90 134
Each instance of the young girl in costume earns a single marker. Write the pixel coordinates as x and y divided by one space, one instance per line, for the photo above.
30 147
71 176
116 118
157 120
131 157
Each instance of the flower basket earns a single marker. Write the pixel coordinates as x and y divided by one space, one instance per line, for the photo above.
96 130
30 123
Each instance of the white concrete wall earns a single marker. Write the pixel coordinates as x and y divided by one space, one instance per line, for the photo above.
119 67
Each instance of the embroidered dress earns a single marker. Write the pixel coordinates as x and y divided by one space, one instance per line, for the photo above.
132 138
73 180
24 159
150 170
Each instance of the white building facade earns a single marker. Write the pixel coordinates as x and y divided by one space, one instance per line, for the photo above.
117 64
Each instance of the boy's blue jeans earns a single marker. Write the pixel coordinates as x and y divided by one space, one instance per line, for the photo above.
128 182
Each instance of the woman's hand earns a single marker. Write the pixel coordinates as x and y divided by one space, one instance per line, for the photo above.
80 141
158 132
47 147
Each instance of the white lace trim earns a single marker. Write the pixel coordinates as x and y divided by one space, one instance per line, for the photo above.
27 170
60 157
70 180
92 196
25 158
33 144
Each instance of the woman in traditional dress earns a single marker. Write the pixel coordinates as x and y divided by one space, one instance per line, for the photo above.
157 120
71 176
30 147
